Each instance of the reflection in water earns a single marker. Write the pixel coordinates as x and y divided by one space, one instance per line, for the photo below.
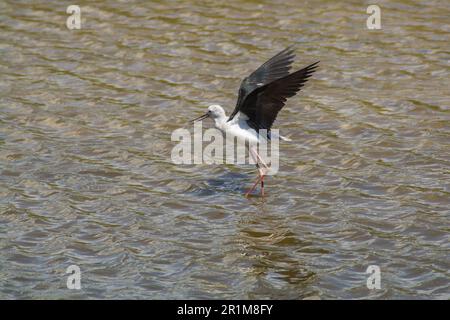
269 249
86 175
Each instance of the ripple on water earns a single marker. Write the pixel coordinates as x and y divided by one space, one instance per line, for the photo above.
86 176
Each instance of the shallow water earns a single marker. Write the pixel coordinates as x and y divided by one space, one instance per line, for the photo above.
86 175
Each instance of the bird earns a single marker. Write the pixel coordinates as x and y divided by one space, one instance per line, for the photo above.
261 96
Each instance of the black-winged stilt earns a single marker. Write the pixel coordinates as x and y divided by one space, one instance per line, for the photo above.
261 96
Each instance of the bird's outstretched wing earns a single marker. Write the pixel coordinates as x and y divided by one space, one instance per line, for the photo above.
275 68
263 104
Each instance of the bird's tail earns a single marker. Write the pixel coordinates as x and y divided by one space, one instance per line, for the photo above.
279 136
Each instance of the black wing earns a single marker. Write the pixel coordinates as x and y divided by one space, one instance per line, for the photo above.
275 68
263 104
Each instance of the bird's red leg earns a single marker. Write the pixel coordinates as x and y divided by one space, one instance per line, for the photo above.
254 186
262 161
259 172
262 172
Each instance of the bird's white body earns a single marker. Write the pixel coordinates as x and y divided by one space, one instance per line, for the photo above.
237 127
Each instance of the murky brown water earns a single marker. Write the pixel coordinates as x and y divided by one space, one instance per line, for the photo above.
86 176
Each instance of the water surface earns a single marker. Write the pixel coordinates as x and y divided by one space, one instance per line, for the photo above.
86 175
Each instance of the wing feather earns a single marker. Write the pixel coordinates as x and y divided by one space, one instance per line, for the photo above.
275 68
263 104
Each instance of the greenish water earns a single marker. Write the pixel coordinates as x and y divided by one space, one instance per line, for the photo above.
86 175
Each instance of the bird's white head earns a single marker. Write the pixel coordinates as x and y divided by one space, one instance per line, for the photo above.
215 112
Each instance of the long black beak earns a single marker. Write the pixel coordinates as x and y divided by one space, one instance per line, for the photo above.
206 115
